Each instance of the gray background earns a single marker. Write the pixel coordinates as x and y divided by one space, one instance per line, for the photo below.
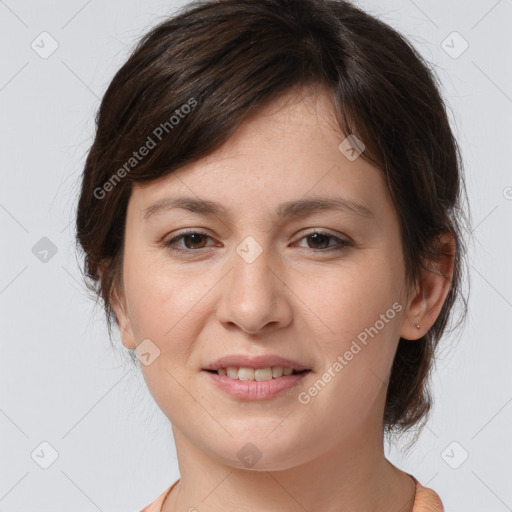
60 381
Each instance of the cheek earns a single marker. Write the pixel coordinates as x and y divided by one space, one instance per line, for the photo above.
346 299
357 313
147 300
166 304
156 296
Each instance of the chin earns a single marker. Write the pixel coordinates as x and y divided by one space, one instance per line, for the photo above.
260 453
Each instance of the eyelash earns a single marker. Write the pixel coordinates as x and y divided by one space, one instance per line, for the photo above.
343 245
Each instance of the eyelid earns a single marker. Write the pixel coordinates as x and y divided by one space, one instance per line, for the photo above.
170 243
324 231
342 241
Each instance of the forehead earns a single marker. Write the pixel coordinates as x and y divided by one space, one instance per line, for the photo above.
286 151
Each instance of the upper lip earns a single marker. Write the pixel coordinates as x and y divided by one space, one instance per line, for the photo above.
246 361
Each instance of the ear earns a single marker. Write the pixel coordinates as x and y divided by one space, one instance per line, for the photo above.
118 304
426 302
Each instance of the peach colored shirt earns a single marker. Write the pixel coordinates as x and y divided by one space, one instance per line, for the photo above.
426 499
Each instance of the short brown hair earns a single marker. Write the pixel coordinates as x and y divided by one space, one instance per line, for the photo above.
227 59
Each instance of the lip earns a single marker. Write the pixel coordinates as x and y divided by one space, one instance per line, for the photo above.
252 389
263 361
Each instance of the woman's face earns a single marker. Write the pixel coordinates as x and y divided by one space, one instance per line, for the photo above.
255 282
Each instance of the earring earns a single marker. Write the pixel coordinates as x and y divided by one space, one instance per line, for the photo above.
417 326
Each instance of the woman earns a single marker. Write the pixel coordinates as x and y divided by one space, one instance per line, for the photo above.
270 212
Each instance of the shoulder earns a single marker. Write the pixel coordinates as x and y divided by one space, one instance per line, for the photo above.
156 505
427 500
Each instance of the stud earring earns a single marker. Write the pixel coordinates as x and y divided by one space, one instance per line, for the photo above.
417 326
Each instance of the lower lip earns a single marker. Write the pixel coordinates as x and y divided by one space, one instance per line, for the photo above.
253 389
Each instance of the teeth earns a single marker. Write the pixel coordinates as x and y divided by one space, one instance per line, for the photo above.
232 372
263 374
246 373
258 374
277 371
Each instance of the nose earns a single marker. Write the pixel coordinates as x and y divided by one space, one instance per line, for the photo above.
254 296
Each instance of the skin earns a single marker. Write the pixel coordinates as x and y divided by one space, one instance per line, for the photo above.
293 300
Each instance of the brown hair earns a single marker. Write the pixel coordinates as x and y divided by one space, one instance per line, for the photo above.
194 78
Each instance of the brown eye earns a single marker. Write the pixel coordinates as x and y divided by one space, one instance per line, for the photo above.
195 240
192 240
319 241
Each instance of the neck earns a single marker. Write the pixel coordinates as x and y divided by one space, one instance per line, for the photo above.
353 476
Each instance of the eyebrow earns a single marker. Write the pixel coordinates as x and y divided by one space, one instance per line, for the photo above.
290 209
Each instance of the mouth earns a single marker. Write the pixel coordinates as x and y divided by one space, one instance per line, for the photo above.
251 384
256 374
256 377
